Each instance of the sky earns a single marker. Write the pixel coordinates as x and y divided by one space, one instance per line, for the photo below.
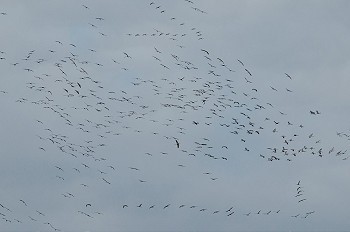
174 115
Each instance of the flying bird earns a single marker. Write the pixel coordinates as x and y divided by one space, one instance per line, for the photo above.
23 202
126 55
241 62
205 51
248 72
288 76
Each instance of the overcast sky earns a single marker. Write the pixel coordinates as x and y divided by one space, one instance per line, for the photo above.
174 115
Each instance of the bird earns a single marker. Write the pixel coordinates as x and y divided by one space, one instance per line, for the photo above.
5 207
126 55
203 50
106 181
288 76
40 213
23 202
273 88
177 143
248 72
230 213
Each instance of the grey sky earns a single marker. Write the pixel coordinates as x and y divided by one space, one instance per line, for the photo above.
95 95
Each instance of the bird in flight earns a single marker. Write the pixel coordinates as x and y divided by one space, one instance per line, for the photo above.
288 76
23 202
126 55
241 62
205 51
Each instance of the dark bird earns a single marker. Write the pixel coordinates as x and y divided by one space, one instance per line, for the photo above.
273 88
248 72
230 213
5 207
126 55
248 81
23 202
241 62
106 181
59 168
177 143
205 51
288 76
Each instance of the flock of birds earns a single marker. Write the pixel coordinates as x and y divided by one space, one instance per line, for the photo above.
182 108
